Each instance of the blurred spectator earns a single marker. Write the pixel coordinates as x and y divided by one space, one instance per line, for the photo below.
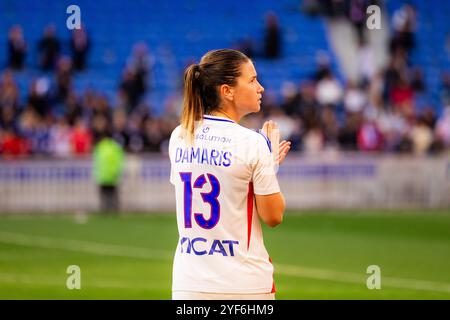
348 133
421 137
329 126
135 131
63 78
9 92
17 48
119 125
99 125
443 127
60 135
309 107
121 100
404 25
291 99
272 37
429 117
152 135
99 105
130 90
401 95
322 65
357 16
313 141
141 63
365 63
73 109
417 82
49 48
108 165
375 90
35 131
286 124
8 117
41 137
168 124
174 105
393 127
329 90
370 137
391 77
38 98
12 145
80 45
355 98
81 139
27 122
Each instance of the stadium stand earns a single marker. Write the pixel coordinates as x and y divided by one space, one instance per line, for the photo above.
160 39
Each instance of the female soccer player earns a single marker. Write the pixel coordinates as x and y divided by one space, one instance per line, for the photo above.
225 180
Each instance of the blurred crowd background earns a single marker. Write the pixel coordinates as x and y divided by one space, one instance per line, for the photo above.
61 90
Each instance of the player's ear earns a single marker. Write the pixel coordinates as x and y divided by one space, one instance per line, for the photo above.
226 92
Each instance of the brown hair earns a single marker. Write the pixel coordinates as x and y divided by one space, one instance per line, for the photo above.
201 83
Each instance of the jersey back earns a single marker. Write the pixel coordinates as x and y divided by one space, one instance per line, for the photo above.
220 247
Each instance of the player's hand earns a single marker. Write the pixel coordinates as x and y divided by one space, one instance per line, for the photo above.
283 147
268 126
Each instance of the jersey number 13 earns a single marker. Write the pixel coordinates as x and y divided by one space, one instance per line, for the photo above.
210 198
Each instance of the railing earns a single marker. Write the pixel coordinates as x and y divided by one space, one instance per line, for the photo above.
325 181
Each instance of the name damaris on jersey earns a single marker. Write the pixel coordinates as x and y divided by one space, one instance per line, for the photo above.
203 156
201 246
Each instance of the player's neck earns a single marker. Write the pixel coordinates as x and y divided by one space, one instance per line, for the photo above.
229 114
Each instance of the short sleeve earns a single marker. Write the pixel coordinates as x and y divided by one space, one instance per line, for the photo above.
172 143
264 175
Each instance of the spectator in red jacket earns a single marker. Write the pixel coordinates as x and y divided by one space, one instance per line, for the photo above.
81 139
12 145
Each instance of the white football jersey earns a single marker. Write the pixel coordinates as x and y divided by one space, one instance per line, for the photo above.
220 247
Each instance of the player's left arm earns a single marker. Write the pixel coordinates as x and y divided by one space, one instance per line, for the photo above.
270 208
270 202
